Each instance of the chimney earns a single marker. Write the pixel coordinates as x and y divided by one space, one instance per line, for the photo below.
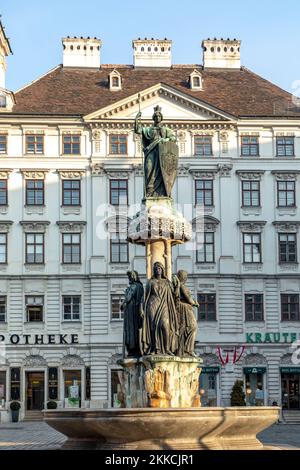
152 52
81 52
5 50
221 53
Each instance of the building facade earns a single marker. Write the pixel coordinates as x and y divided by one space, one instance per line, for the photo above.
71 178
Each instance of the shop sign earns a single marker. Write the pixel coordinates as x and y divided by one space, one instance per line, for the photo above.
255 370
290 370
210 370
271 337
39 339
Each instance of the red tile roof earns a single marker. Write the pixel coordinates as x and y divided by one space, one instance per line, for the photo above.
75 91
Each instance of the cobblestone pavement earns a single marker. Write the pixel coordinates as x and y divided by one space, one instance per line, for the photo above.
40 436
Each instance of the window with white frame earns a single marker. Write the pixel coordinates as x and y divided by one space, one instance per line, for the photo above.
71 307
34 305
115 303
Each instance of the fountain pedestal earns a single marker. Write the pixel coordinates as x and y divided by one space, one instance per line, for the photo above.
160 382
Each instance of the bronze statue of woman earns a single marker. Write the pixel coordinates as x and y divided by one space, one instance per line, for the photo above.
160 324
132 308
188 323
160 156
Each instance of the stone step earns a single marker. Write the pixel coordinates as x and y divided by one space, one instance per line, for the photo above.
33 416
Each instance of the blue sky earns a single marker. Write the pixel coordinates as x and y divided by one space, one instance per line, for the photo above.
269 32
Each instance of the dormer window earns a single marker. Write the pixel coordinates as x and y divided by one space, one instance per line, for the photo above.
2 100
114 80
196 80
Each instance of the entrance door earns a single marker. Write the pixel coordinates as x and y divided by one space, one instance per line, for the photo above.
35 390
290 390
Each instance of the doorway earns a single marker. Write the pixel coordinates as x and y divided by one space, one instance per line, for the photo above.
35 390
290 391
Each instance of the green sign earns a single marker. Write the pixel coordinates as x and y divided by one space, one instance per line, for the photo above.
271 337
255 370
290 370
210 370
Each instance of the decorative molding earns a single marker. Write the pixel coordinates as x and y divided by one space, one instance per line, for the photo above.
5 225
286 226
34 174
223 136
206 174
286 359
72 361
4 173
254 359
253 226
210 359
97 169
117 173
225 169
183 170
138 170
71 174
34 210
252 267
285 175
34 361
113 360
250 175
288 267
34 225
71 226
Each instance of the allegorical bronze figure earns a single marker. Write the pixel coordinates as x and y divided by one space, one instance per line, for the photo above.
160 324
160 156
132 308
188 324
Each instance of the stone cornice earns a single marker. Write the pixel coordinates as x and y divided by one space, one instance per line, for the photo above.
71 226
34 225
249 174
71 173
31 173
4 173
286 225
251 226
285 174
5 225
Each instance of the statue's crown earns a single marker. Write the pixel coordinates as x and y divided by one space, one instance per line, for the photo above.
157 109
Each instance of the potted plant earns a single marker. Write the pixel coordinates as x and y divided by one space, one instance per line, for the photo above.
51 405
15 408
237 397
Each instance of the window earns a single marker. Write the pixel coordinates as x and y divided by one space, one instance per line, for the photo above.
206 252
207 307
287 247
71 307
71 248
286 194
204 193
34 192
254 307
3 248
118 144
71 192
71 144
3 192
118 242
115 82
34 248
249 146
203 145
290 307
34 308
252 247
250 193
2 308
285 146
196 82
118 192
116 302
3 143
34 144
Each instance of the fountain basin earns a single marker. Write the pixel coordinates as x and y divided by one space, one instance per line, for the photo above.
158 429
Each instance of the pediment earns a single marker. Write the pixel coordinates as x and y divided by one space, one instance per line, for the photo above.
175 106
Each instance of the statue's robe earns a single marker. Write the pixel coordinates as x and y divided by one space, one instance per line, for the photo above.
134 296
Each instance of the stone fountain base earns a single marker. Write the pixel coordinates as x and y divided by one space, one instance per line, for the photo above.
163 429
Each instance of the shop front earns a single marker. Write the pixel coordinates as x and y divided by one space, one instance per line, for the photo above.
35 390
209 386
255 385
290 387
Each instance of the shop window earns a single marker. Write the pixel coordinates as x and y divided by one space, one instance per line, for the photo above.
2 387
53 383
15 383
208 388
72 387
254 389
34 308
88 383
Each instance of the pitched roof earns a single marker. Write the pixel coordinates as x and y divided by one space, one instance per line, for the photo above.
75 91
